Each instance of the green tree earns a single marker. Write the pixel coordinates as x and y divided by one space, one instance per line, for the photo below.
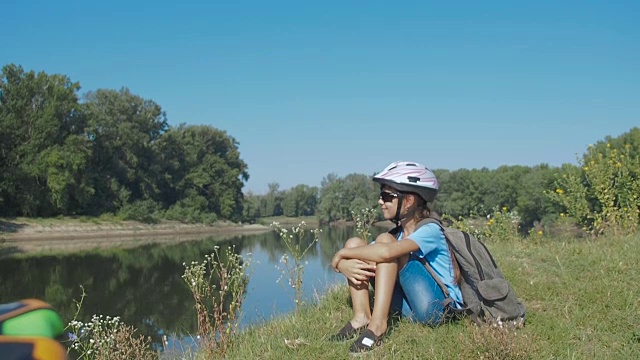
340 196
123 128
202 170
68 182
250 207
300 200
503 186
462 192
271 204
533 205
331 201
42 143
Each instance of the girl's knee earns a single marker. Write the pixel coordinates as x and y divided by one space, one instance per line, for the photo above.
354 242
385 238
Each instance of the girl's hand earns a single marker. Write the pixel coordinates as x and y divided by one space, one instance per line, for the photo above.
356 271
336 259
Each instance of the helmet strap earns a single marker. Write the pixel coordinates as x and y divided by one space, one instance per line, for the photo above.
396 219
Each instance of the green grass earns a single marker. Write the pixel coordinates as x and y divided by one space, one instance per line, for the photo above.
582 298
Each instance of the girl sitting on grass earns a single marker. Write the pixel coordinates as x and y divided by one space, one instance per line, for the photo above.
393 264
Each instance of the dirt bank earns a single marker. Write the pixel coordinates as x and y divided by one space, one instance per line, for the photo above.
23 236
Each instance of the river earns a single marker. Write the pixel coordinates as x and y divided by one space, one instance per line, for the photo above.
144 285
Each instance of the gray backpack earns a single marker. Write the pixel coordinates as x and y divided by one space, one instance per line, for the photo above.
488 297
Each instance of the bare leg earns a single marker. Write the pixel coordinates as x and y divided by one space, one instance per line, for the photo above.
386 274
359 293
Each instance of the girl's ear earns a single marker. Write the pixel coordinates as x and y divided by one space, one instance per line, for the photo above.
409 200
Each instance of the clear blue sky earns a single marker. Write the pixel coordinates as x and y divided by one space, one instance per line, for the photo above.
314 87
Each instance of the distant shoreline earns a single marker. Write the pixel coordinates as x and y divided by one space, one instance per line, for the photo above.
68 235
25 236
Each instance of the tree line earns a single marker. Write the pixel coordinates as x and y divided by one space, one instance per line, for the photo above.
535 193
113 152
463 193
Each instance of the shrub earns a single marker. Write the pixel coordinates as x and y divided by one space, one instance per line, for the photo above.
603 194
146 211
183 213
106 338
498 225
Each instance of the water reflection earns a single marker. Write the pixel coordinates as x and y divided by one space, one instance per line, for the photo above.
144 286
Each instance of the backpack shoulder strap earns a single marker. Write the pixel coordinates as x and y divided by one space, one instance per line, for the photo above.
447 299
428 220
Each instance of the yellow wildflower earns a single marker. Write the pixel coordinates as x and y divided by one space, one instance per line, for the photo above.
560 191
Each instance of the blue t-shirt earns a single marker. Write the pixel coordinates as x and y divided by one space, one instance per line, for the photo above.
434 249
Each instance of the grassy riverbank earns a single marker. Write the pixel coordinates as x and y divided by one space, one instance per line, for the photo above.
582 298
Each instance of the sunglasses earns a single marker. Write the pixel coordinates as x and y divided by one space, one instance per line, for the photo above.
387 196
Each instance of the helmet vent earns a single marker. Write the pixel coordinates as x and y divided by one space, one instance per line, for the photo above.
413 179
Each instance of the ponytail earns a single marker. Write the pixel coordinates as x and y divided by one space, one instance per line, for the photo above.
457 276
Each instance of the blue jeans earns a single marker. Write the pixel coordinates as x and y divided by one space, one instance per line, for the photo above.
416 295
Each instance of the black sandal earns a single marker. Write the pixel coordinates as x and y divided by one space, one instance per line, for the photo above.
366 342
347 332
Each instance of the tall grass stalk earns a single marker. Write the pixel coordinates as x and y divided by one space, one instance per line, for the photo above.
364 219
292 267
218 285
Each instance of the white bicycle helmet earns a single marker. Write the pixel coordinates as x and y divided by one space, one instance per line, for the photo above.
407 176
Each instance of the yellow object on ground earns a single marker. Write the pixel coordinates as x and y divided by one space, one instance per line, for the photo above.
31 348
